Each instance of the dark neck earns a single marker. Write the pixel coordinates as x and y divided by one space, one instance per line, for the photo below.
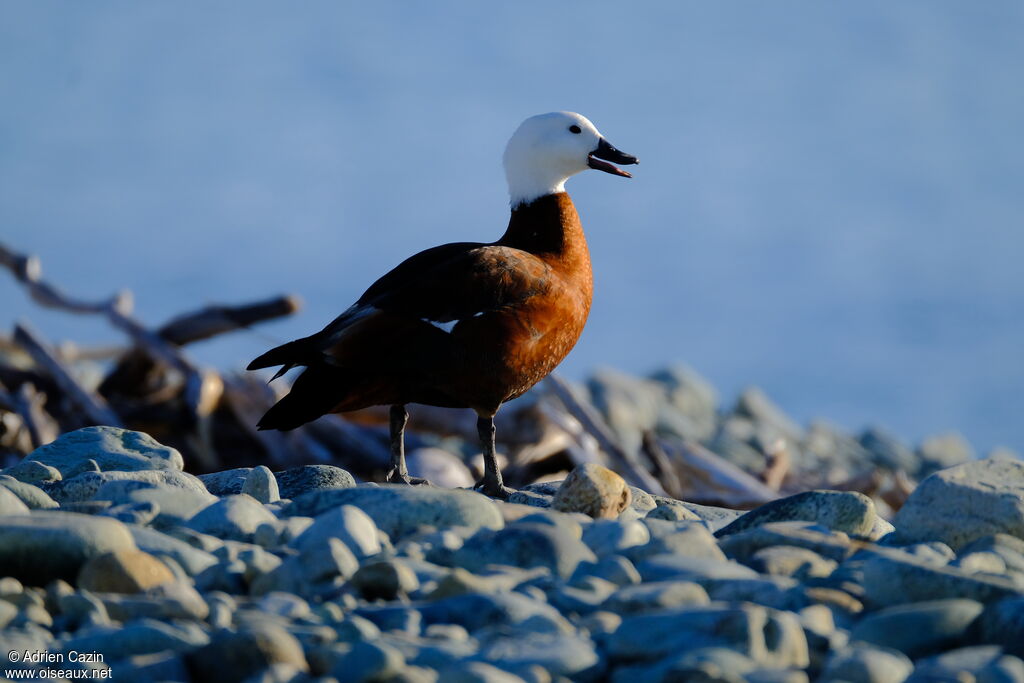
547 225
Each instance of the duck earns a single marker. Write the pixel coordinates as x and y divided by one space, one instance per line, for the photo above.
466 324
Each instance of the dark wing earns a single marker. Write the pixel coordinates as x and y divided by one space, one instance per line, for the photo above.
447 283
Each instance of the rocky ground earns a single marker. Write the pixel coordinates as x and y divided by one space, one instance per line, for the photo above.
107 546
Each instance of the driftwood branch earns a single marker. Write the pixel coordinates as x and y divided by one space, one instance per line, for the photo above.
214 320
94 408
42 428
117 310
626 463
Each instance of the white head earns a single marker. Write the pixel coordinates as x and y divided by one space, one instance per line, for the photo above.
547 149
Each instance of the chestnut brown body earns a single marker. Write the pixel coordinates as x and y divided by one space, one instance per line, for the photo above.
462 325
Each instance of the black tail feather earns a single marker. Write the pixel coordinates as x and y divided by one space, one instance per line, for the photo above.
293 353
315 392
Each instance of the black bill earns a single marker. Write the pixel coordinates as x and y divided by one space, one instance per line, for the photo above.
608 153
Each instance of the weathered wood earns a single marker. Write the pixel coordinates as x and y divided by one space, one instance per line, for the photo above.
214 320
94 408
710 479
625 463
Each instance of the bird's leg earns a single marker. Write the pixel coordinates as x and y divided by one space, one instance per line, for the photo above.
398 471
491 484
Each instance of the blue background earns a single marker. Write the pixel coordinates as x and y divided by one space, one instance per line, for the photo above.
829 203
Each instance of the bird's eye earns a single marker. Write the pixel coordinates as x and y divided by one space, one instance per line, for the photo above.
575 129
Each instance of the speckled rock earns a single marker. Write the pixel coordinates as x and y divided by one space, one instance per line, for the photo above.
84 486
124 571
33 472
48 545
593 490
225 482
299 480
966 502
400 510
112 448
834 545
847 511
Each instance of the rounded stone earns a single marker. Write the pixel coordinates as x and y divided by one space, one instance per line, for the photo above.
112 448
124 571
385 580
48 545
11 504
964 503
232 517
262 485
32 496
400 510
593 490
239 656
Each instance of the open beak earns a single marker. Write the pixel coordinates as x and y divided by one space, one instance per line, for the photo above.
608 153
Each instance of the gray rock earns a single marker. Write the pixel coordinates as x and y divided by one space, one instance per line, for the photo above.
525 545
349 524
788 560
192 559
942 451
144 636
1009 548
688 538
476 672
477 610
630 405
867 664
607 537
232 517
400 510
642 501
33 472
262 485
834 545
385 580
369 661
656 595
691 396
984 663
778 592
964 503
47 545
683 568
919 628
714 517
894 577
615 569
754 404
307 573
33 497
847 511
531 498
558 654
167 602
887 451
174 505
673 512
238 656
84 486
771 638
11 504
112 448
308 478
440 468
226 482
1003 623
